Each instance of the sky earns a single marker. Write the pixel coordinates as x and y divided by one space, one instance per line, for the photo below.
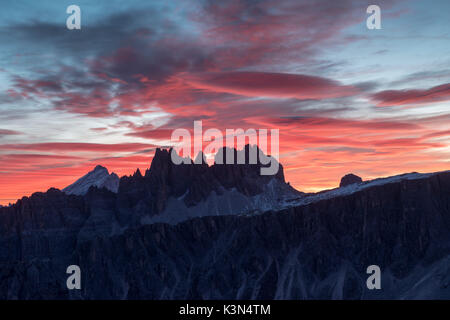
344 98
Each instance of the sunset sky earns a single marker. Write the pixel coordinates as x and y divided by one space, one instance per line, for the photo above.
345 98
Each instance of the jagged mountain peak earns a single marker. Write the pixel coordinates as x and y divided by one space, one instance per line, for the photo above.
99 177
137 173
99 168
161 161
240 185
164 156
250 154
191 183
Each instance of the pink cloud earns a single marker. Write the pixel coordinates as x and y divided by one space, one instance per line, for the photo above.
413 96
275 85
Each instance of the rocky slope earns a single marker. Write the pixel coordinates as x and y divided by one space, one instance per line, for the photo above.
317 246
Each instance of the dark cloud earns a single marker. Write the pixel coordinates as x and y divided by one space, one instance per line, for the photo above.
412 96
120 64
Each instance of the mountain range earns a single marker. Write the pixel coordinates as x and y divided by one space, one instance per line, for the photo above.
195 231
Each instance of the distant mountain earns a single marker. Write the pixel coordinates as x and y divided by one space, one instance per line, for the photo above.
99 177
225 232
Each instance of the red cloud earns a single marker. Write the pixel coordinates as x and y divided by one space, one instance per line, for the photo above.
158 134
275 85
334 124
78 146
6 132
99 129
415 96
438 134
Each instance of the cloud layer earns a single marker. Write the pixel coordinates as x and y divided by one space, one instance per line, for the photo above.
112 92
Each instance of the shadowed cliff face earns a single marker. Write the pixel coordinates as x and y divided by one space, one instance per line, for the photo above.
318 250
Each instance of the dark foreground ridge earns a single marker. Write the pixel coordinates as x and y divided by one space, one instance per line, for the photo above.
317 249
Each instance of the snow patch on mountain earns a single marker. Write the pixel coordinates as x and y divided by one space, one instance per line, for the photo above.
355 187
99 177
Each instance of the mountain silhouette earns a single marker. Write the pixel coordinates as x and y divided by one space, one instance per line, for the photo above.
226 232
